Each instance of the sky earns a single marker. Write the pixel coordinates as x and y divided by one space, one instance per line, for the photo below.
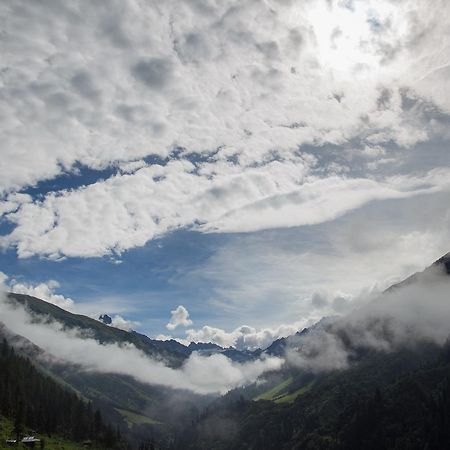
219 170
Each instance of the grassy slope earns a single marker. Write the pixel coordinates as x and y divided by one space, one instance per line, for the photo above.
277 391
133 418
285 392
51 443
290 397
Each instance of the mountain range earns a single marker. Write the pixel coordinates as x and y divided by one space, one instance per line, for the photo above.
381 399
138 409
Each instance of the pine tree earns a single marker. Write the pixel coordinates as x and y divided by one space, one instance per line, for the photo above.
37 401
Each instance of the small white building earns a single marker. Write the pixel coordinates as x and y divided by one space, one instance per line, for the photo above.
30 441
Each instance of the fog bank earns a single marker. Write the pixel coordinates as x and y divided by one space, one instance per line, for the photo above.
404 316
203 375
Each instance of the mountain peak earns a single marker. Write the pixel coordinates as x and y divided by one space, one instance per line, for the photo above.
105 319
194 346
445 261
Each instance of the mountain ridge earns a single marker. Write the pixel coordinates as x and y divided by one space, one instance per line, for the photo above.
289 396
171 350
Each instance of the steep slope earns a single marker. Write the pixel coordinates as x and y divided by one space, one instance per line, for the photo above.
278 347
100 331
384 400
139 410
339 411
294 409
34 401
171 351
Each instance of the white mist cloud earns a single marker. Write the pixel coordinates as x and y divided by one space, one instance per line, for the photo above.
180 316
215 374
243 337
403 317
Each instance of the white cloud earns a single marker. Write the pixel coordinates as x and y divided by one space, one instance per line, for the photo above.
165 337
262 116
180 316
414 314
3 279
132 166
13 202
215 374
316 201
243 337
276 277
127 211
248 81
44 291
124 324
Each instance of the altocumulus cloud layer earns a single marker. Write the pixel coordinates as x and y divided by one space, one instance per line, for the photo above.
226 96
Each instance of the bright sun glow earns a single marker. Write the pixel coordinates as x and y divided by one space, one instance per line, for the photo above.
342 35
346 36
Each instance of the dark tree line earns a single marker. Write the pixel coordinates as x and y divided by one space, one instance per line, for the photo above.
147 445
381 404
407 416
31 399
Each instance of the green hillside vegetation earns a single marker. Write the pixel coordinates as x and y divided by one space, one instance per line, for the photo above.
285 392
32 400
112 392
94 328
119 390
276 392
54 442
291 396
398 400
133 418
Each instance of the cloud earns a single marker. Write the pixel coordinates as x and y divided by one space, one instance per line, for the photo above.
415 313
238 85
154 72
44 291
127 211
165 337
215 374
180 316
242 338
298 275
123 324
314 202
13 202
319 352
228 118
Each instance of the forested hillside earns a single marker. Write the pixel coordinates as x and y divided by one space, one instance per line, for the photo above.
33 401
94 328
142 411
394 396
399 400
